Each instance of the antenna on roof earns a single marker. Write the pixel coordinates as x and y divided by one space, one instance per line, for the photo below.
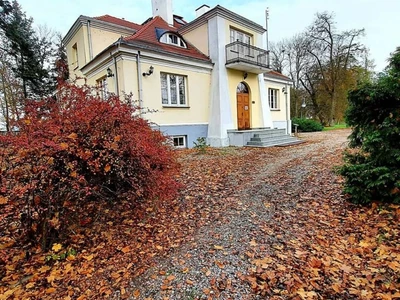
266 25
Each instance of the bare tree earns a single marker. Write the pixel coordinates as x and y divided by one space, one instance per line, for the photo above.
333 53
296 63
10 93
277 52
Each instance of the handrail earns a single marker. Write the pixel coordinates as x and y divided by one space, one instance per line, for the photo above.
242 52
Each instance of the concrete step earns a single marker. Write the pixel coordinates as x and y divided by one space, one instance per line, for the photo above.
270 133
270 139
273 144
267 140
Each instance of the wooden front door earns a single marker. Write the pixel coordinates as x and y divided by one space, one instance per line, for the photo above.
243 107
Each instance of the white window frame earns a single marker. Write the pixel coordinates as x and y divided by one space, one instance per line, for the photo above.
178 95
102 85
75 57
173 39
179 138
273 99
236 35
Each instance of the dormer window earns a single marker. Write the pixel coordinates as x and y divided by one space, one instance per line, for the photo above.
173 39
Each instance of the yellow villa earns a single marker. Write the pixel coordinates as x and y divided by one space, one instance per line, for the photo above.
206 78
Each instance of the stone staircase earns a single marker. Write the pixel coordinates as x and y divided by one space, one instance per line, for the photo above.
261 137
272 137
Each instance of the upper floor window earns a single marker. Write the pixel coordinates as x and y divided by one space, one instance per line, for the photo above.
171 38
236 35
75 56
173 90
273 98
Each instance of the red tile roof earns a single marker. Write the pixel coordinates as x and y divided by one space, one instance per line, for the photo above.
277 74
147 35
118 21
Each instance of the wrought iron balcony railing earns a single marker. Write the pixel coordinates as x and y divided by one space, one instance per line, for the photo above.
238 52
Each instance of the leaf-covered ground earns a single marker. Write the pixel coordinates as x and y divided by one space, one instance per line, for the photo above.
249 224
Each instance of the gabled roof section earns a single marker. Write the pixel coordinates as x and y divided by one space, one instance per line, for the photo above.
147 35
118 21
106 22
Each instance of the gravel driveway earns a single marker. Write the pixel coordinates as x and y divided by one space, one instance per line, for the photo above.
214 261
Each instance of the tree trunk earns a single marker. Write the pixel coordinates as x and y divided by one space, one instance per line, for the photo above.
23 77
6 104
331 121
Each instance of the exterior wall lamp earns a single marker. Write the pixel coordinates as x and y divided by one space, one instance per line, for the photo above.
109 72
303 106
245 75
151 70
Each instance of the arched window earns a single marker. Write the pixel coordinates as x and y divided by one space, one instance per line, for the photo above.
173 39
242 88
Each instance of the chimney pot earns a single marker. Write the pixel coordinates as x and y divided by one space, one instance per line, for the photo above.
163 8
202 10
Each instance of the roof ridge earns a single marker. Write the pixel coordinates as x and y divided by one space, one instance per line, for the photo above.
147 35
276 73
141 30
102 18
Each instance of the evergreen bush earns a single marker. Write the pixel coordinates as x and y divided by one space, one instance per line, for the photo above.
372 168
307 125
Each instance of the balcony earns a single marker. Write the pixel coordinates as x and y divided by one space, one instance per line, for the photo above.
247 58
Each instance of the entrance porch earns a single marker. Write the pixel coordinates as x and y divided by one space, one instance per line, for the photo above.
261 137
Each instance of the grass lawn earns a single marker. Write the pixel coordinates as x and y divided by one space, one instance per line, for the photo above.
337 126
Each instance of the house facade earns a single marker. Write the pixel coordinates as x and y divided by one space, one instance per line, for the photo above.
203 78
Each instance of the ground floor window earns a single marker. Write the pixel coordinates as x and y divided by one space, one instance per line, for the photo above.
273 98
179 141
173 90
102 85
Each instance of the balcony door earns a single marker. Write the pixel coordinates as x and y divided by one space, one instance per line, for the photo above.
238 36
243 106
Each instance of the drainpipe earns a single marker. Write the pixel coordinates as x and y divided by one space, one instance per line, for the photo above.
116 76
287 111
139 75
90 40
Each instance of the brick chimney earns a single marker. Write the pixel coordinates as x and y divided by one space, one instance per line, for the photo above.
163 8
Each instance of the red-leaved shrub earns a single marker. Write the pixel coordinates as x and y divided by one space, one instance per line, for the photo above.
76 148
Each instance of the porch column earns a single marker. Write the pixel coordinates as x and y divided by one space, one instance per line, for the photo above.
220 114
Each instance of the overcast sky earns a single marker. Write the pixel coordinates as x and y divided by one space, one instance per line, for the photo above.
380 19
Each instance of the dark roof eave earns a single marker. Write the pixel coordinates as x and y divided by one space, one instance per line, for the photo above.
226 12
84 19
145 47
281 77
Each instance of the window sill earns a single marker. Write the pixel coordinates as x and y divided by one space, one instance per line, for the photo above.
175 45
175 106
275 109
